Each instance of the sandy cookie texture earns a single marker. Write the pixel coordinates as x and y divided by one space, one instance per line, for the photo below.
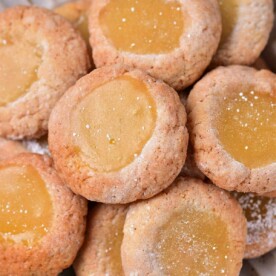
180 67
204 107
252 22
101 251
154 169
145 220
58 248
57 40
190 168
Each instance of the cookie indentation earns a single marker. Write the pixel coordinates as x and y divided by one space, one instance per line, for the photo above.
113 123
187 238
247 127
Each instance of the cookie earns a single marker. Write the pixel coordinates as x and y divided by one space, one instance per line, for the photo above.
246 25
232 115
42 222
118 136
171 40
101 251
192 228
35 70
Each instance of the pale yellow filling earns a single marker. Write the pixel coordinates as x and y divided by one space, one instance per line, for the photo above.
25 205
20 61
142 26
247 127
193 242
113 123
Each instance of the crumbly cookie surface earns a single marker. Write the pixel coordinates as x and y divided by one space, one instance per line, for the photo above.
249 35
203 108
28 115
58 248
179 68
151 171
101 252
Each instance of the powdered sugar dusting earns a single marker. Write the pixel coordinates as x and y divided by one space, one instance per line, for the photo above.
261 217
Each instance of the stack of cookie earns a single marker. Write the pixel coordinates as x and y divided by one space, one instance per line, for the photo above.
153 110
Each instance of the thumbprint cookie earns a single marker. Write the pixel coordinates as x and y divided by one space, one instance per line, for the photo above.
35 69
246 25
42 222
260 213
192 228
171 40
101 251
232 122
118 136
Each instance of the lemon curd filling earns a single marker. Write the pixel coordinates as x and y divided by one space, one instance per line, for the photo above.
229 14
247 128
20 60
25 205
193 242
113 244
112 124
77 15
142 26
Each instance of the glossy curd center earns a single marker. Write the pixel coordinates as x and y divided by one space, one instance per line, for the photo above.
25 205
193 242
112 124
247 127
142 26
18 68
